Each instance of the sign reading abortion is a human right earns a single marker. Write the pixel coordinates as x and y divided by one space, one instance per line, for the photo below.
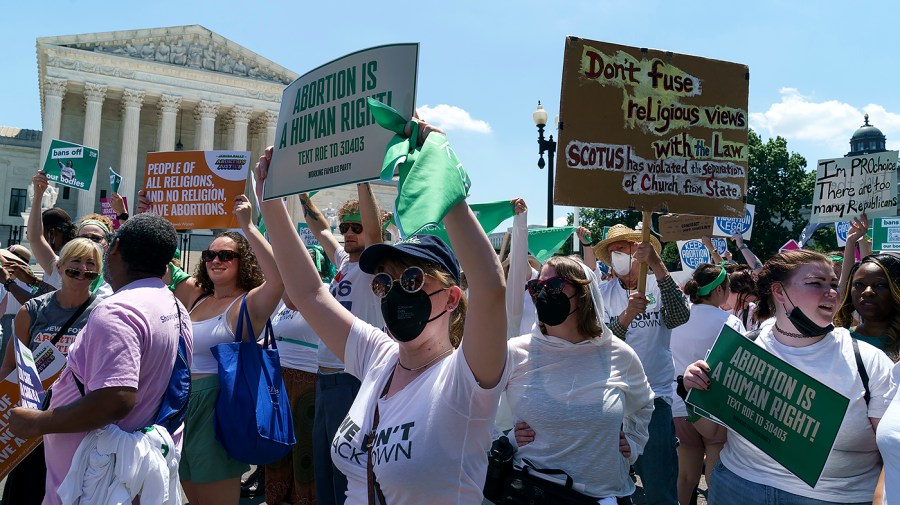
847 187
71 165
326 135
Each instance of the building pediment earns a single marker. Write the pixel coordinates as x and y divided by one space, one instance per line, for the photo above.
192 47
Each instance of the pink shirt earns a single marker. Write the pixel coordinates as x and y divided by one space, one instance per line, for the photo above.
130 340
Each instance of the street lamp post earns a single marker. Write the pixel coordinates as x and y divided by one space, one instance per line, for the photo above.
549 146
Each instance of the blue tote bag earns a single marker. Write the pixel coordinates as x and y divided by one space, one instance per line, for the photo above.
253 414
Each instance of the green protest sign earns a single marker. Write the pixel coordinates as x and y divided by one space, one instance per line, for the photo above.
114 180
886 234
70 164
784 412
544 242
489 216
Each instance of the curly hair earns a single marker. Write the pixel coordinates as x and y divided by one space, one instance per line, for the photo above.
147 242
249 273
779 269
703 275
588 320
349 208
107 222
890 266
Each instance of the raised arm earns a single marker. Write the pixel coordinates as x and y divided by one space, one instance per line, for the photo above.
261 300
35 231
584 236
518 263
318 225
484 343
328 318
858 229
749 257
714 255
369 214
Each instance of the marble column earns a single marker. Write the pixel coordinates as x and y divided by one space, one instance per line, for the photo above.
271 117
54 91
132 100
169 105
205 114
94 94
240 117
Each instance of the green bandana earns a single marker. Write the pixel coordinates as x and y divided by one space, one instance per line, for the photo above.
707 289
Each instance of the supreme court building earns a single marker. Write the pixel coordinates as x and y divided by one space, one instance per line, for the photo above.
127 93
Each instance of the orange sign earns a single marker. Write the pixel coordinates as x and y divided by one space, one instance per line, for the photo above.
196 189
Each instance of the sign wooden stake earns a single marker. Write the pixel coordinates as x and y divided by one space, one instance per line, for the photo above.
645 237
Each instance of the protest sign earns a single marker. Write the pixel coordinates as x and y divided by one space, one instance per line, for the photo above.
71 164
114 180
306 235
841 229
693 253
728 226
674 227
784 412
107 210
886 234
545 242
847 187
30 389
657 131
326 135
49 362
196 189
790 245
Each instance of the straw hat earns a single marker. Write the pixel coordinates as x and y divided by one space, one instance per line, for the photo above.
618 233
15 253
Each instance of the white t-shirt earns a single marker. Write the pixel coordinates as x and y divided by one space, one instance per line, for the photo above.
693 339
576 397
297 342
852 469
433 435
353 289
52 277
647 334
12 304
888 439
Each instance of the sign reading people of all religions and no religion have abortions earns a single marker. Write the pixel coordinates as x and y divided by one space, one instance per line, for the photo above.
784 412
847 187
657 131
71 165
325 135
196 189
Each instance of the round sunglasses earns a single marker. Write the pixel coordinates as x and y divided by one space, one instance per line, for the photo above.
74 273
411 280
552 285
223 255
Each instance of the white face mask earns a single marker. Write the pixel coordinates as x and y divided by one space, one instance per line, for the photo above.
621 263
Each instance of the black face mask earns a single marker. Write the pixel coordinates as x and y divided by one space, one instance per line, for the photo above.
806 326
406 314
552 309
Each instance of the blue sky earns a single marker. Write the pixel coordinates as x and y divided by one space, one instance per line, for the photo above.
815 67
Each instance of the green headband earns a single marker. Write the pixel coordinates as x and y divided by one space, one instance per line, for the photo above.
97 223
352 218
707 289
835 257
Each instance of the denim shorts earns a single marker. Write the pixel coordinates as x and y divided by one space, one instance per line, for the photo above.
728 488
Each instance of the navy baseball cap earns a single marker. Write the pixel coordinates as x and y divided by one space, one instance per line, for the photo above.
424 247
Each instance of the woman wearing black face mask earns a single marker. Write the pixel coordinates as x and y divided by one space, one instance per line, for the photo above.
580 394
798 290
419 428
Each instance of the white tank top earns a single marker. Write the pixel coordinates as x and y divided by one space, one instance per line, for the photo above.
207 334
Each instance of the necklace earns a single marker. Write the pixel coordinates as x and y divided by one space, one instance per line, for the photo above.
794 335
432 360
232 295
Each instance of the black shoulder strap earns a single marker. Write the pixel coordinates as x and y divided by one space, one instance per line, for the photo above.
65 327
862 370
199 298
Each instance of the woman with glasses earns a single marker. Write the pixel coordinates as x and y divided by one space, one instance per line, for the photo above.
579 393
419 429
55 317
234 268
798 289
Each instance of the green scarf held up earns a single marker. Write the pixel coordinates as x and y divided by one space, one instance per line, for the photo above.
432 179
489 216
545 242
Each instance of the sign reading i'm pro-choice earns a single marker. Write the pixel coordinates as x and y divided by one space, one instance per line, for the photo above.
71 165
847 187
325 135
196 189
784 412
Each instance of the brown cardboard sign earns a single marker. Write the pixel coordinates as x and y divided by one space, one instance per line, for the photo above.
651 130
674 227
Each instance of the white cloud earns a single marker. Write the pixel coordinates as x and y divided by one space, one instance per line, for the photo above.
561 220
828 123
449 117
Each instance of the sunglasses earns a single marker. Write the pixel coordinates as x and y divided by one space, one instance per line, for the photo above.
552 285
93 238
223 255
411 280
355 227
74 273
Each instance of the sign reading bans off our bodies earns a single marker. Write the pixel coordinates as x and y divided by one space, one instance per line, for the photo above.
196 189
326 135
784 412
657 131
847 187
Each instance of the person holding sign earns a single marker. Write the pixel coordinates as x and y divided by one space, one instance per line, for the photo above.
56 317
573 386
708 288
874 296
420 427
645 321
798 289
